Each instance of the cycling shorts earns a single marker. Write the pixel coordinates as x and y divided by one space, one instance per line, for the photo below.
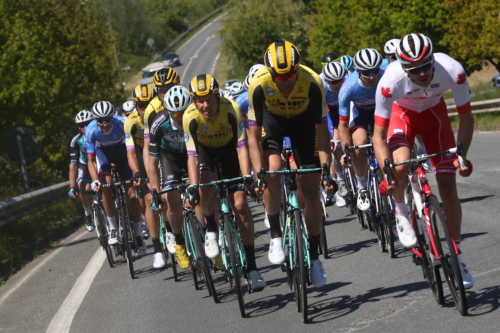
434 127
302 133
227 157
173 166
364 119
83 174
118 156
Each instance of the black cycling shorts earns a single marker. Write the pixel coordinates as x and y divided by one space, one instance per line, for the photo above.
173 167
302 133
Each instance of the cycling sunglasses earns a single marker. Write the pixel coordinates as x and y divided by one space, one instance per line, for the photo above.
82 125
176 114
335 82
142 104
162 90
102 121
422 68
286 77
367 74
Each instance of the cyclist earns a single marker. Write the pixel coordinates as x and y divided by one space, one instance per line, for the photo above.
348 63
78 169
390 52
128 107
105 138
214 131
359 90
134 140
287 99
334 75
409 102
164 79
236 90
328 57
166 145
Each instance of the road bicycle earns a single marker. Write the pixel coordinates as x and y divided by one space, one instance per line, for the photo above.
436 249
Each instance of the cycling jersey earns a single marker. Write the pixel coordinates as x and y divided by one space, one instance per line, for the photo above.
332 105
396 87
97 139
308 93
164 135
153 108
134 132
228 127
78 149
242 101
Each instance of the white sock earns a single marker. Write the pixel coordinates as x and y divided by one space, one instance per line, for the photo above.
361 182
340 175
87 210
401 207
112 222
458 242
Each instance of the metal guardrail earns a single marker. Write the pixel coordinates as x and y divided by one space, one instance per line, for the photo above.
29 203
491 105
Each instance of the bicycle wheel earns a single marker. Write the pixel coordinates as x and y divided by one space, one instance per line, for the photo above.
174 266
193 263
127 238
284 196
387 221
303 271
378 212
234 272
323 246
446 249
199 252
431 272
99 221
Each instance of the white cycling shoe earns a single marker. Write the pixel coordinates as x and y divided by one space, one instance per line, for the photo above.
363 201
256 281
170 240
406 234
276 255
317 273
340 201
211 245
158 260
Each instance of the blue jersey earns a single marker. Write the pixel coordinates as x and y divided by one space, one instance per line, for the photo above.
385 63
242 101
165 135
106 141
332 104
363 98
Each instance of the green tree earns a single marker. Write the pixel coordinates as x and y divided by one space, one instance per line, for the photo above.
56 57
249 27
473 32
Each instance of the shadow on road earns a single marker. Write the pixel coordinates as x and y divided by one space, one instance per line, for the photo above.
483 302
477 198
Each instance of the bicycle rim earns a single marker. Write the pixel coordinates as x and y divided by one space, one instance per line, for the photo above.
449 260
387 222
126 240
234 272
323 246
190 247
201 258
102 232
174 266
303 273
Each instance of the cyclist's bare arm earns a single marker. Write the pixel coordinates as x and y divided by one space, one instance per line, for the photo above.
73 170
324 148
254 145
244 160
152 172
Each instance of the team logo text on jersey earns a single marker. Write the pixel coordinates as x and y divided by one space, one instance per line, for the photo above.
216 136
294 105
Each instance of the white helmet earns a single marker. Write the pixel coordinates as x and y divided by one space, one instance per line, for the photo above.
246 83
413 47
128 106
177 99
103 109
390 46
236 89
334 71
83 117
227 93
367 59
254 69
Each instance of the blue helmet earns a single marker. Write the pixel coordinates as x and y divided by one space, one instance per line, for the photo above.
346 61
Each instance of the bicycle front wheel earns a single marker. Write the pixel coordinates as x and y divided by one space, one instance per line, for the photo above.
386 216
99 220
234 269
201 259
302 269
323 246
446 249
127 238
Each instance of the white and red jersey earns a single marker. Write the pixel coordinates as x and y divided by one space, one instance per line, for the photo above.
396 87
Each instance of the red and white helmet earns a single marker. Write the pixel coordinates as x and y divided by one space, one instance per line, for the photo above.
413 47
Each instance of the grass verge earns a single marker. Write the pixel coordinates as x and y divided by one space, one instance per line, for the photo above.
483 122
26 238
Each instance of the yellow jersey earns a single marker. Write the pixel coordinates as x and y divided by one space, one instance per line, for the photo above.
154 107
134 131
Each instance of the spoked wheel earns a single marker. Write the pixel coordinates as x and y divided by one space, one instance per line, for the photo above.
201 258
193 263
303 271
174 266
103 235
234 270
449 260
323 246
377 213
127 239
386 216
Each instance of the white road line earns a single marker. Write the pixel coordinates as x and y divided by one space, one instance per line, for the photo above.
64 317
40 264
195 56
196 34
215 63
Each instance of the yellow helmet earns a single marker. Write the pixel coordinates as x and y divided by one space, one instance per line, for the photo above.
282 58
165 75
143 93
203 85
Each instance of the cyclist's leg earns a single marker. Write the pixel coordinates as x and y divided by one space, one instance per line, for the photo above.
104 174
83 180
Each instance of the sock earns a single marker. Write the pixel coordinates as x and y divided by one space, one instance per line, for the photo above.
87 210
361 182
340 175
112 222
274 223
156 244
179 238
142 219
457 242
401 207
313 247
168 227
211 225
250 253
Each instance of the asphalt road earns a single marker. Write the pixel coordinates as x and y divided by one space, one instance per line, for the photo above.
72 288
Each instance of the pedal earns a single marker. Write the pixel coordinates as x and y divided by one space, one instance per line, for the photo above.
416 260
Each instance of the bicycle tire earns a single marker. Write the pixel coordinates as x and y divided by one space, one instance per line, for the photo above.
284 197
431 273
201 257
174 266
303 273
378 213
234 272
446 251
361 219
193 264
387 222
323 245
127 237
103 238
